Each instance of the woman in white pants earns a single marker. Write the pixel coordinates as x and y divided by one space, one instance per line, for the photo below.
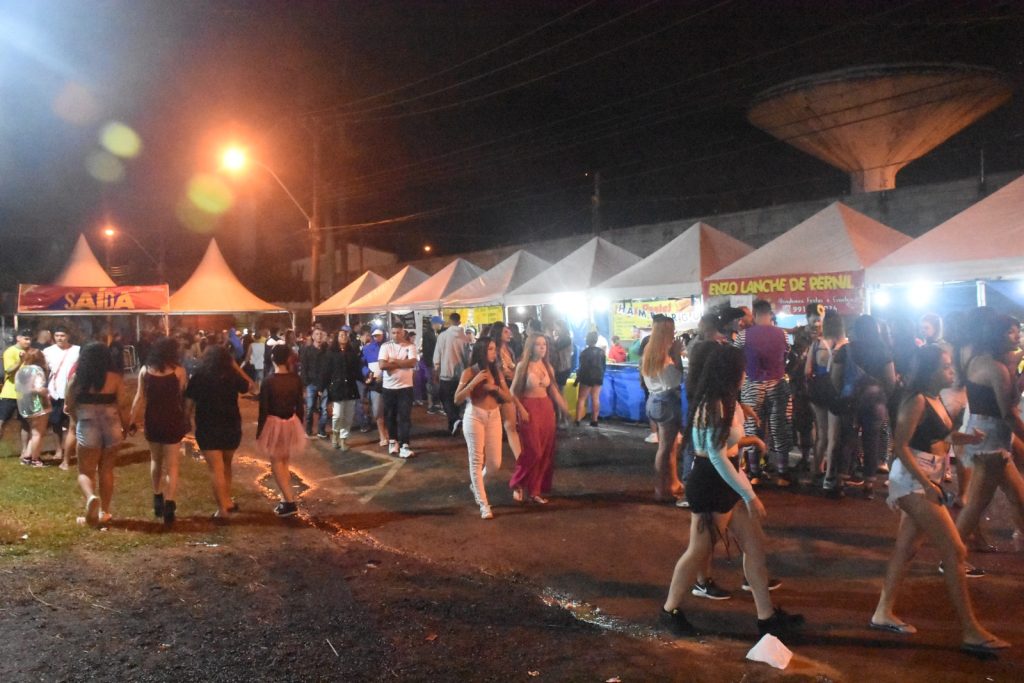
342 374
507 361
484 390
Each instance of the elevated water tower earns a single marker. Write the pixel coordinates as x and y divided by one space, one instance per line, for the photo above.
871 121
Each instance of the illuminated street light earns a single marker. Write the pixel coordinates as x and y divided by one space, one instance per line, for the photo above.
110 232
427 248
236 159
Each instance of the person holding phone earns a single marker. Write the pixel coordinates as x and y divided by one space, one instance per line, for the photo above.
482 386
924 431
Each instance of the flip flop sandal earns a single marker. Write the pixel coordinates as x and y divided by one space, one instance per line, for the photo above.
902 629
987 648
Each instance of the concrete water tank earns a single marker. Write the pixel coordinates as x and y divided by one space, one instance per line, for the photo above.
871 121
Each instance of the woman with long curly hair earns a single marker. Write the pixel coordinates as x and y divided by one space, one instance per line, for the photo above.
160 400
95 401
721 497
536 389
662 371
506 359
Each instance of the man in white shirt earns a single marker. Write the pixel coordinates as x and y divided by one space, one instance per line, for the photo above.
449 359
397 359
61 358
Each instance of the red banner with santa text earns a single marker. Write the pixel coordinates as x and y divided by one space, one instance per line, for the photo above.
92 300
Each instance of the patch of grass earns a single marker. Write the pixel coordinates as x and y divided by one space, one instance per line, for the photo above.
39 506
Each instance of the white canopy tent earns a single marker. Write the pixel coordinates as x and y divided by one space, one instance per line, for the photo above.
491 287
430 294
678 268
361 286
982 242
395 286
213 289
835 239
571 279
83 269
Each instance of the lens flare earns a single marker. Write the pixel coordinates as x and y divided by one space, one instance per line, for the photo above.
105 167
210 193
75 104
194 218
120 140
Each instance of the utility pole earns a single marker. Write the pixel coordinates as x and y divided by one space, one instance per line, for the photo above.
595 204
314 224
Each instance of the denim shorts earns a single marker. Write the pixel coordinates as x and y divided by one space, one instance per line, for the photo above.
98 426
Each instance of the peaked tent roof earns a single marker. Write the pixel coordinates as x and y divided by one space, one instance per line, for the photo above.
588 266
491 287
213 289
83 269
361 286
984 241
836 239
678 268
430 294
395 286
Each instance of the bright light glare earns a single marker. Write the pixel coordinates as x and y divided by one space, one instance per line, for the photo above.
920 294
377 321
120 140
109 231
427 248
881 298
210 193
105 167
599 303
520 310
234 159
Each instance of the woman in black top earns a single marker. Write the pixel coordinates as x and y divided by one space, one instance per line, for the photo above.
279 432
923 432
589 378
212 395
864 375
342 373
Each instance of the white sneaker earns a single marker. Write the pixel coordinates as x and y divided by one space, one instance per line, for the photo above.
406 452
392 448
651 438
485 512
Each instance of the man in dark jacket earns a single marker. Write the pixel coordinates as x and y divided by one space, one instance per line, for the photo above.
311 367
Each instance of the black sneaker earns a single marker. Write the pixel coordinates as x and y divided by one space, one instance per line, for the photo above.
286 509
780 623
158 505
169 509
772 585
593 423
676 623
710 590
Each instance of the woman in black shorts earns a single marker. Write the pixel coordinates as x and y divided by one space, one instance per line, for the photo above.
213 395
720 495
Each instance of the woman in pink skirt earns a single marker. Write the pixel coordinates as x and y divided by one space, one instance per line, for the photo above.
537 398
280 434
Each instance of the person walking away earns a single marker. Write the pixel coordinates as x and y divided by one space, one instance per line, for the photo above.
212 397
827 336
33 403
95 400
397 359
864 375
721 497
255 356
311 360
923 432
429 344
279 432
61 357
501 334
449 355
160 400
590 379
341 380
661 370
9 394
372 380
561 353
482 387
539 399
766 390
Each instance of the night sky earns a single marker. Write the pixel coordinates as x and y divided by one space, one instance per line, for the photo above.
456 124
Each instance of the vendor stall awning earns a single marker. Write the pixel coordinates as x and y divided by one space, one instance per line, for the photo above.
214 289
982 242
574 275
395 286
491 287
678 268
430 294
83 269
361 286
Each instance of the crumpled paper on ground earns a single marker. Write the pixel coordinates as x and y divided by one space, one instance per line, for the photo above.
770 650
